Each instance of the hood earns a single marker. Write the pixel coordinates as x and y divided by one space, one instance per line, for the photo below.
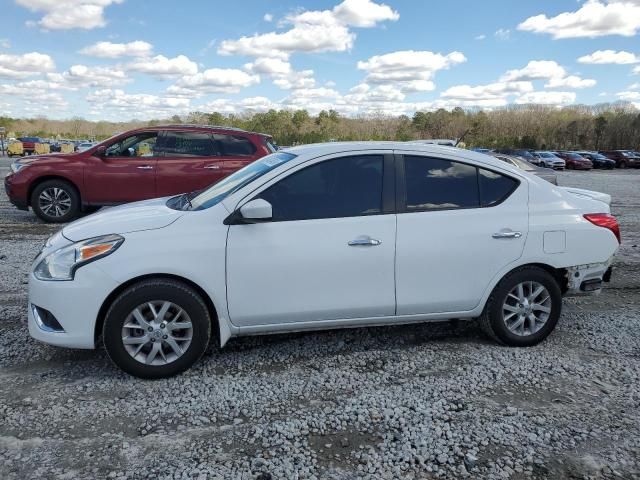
590 194
132 217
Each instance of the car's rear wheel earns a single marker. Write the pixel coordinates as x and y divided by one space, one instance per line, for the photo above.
157 328
55 201
622 164
523 308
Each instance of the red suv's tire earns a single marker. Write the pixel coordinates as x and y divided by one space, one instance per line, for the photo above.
55 201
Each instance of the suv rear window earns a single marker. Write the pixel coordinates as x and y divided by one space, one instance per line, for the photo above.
233 145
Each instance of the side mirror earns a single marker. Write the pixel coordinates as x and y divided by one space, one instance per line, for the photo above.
100 151
255 211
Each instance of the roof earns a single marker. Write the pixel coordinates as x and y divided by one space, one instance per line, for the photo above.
209 127
319 149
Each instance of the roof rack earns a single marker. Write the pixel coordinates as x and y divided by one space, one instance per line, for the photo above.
194 125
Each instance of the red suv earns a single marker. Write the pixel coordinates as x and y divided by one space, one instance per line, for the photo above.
136 165
623 158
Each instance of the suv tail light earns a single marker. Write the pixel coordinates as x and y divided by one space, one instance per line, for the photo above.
605 220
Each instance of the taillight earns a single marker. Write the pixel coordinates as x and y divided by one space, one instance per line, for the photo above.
605 220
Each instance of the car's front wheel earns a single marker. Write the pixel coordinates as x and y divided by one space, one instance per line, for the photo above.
55 201
523 308
157 328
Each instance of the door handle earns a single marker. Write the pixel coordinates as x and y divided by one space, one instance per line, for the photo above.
145 167
507 234
364 241
212 167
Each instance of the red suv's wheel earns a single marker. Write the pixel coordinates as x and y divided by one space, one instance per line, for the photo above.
55 201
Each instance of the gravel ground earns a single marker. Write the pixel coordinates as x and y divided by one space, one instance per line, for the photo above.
426 401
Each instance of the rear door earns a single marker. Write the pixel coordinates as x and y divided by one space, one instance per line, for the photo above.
190 161
236 151
126 172
458 226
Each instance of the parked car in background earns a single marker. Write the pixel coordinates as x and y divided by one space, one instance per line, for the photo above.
574 161
85 146
549 160
480 149
135 165
29 144
623 158
598 160
518 162
445 142
348 252
519 152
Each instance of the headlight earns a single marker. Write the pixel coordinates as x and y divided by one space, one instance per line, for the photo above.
16 166
63 263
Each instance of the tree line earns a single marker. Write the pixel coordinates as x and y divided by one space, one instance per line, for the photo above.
603 126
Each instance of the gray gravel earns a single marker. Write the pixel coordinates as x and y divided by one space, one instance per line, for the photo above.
425 401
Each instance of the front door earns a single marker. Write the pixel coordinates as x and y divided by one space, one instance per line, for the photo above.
328 252
126 172
458 226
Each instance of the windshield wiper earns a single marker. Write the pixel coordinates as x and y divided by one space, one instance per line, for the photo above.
186 201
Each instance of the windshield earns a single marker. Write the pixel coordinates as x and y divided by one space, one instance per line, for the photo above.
546 155
598 156
524 153
574 156
219 191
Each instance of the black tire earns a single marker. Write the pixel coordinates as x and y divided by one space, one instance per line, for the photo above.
622 164
492 321
151 290
69 190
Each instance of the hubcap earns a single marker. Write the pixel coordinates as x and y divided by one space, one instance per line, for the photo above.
55 202
157 332
526 308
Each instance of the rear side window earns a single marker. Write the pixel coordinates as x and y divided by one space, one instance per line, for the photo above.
233 145
494 187
342 187
436 184
187 144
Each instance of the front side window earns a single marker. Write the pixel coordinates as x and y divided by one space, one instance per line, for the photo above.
188 144
233 145
342 187
139 145
436 184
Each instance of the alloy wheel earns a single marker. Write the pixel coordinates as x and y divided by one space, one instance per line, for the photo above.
54 202
157 332
526 308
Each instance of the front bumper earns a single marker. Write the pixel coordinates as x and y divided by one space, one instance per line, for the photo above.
10 190
75 304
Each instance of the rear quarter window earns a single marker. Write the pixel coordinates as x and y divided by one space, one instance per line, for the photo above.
494 187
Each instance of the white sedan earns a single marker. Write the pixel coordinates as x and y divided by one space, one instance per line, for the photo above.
323 236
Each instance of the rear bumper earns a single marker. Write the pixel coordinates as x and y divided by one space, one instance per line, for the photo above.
588 279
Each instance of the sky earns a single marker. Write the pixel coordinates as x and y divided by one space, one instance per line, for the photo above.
133 59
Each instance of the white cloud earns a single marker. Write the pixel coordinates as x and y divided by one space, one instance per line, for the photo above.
282 73
409 70
628 96
163 67
594 18
116 50
502 34
5 43
138 105
549 70
28 64
68 14
313 31
82 76
218 80
536 70
268 17
480 37
547 98
570 81
610 56
492 91
636 70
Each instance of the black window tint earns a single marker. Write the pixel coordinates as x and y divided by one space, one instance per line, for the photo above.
187 144
494 187
433 183
343 187
234 145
